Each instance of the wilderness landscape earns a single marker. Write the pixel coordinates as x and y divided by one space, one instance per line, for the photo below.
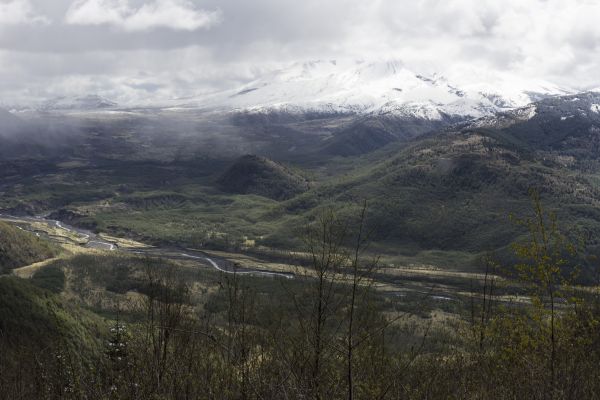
352 228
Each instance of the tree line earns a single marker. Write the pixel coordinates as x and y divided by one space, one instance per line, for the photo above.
327 335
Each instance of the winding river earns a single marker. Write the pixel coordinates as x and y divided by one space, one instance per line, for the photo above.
89 239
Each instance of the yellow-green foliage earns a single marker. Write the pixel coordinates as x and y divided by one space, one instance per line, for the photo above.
39 331
33 316
18 248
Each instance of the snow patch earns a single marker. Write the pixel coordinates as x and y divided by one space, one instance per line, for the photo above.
530 112
525 113
595 108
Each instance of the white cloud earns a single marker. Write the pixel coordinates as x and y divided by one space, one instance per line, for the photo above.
114 41
172 14
18 12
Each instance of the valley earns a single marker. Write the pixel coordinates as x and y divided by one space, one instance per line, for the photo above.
391 280
59 233
449 191
232 237
439 202
299 200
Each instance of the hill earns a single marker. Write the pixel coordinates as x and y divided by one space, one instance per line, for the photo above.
455 190
19 248
258 175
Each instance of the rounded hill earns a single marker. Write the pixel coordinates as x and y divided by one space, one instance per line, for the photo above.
257 175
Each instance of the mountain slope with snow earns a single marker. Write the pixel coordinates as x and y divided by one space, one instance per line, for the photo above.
375 88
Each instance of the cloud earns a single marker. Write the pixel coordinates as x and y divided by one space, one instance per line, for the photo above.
172 14
137 49
19 12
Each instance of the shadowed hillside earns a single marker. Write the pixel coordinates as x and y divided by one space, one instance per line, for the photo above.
258 175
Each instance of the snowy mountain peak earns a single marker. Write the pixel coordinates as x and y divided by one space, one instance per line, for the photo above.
375 87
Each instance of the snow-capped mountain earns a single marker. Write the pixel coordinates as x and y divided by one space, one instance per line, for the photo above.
552 111
386 87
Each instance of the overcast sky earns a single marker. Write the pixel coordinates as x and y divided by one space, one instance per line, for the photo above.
157 49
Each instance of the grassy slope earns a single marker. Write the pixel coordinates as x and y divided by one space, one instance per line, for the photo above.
27 311
18 248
